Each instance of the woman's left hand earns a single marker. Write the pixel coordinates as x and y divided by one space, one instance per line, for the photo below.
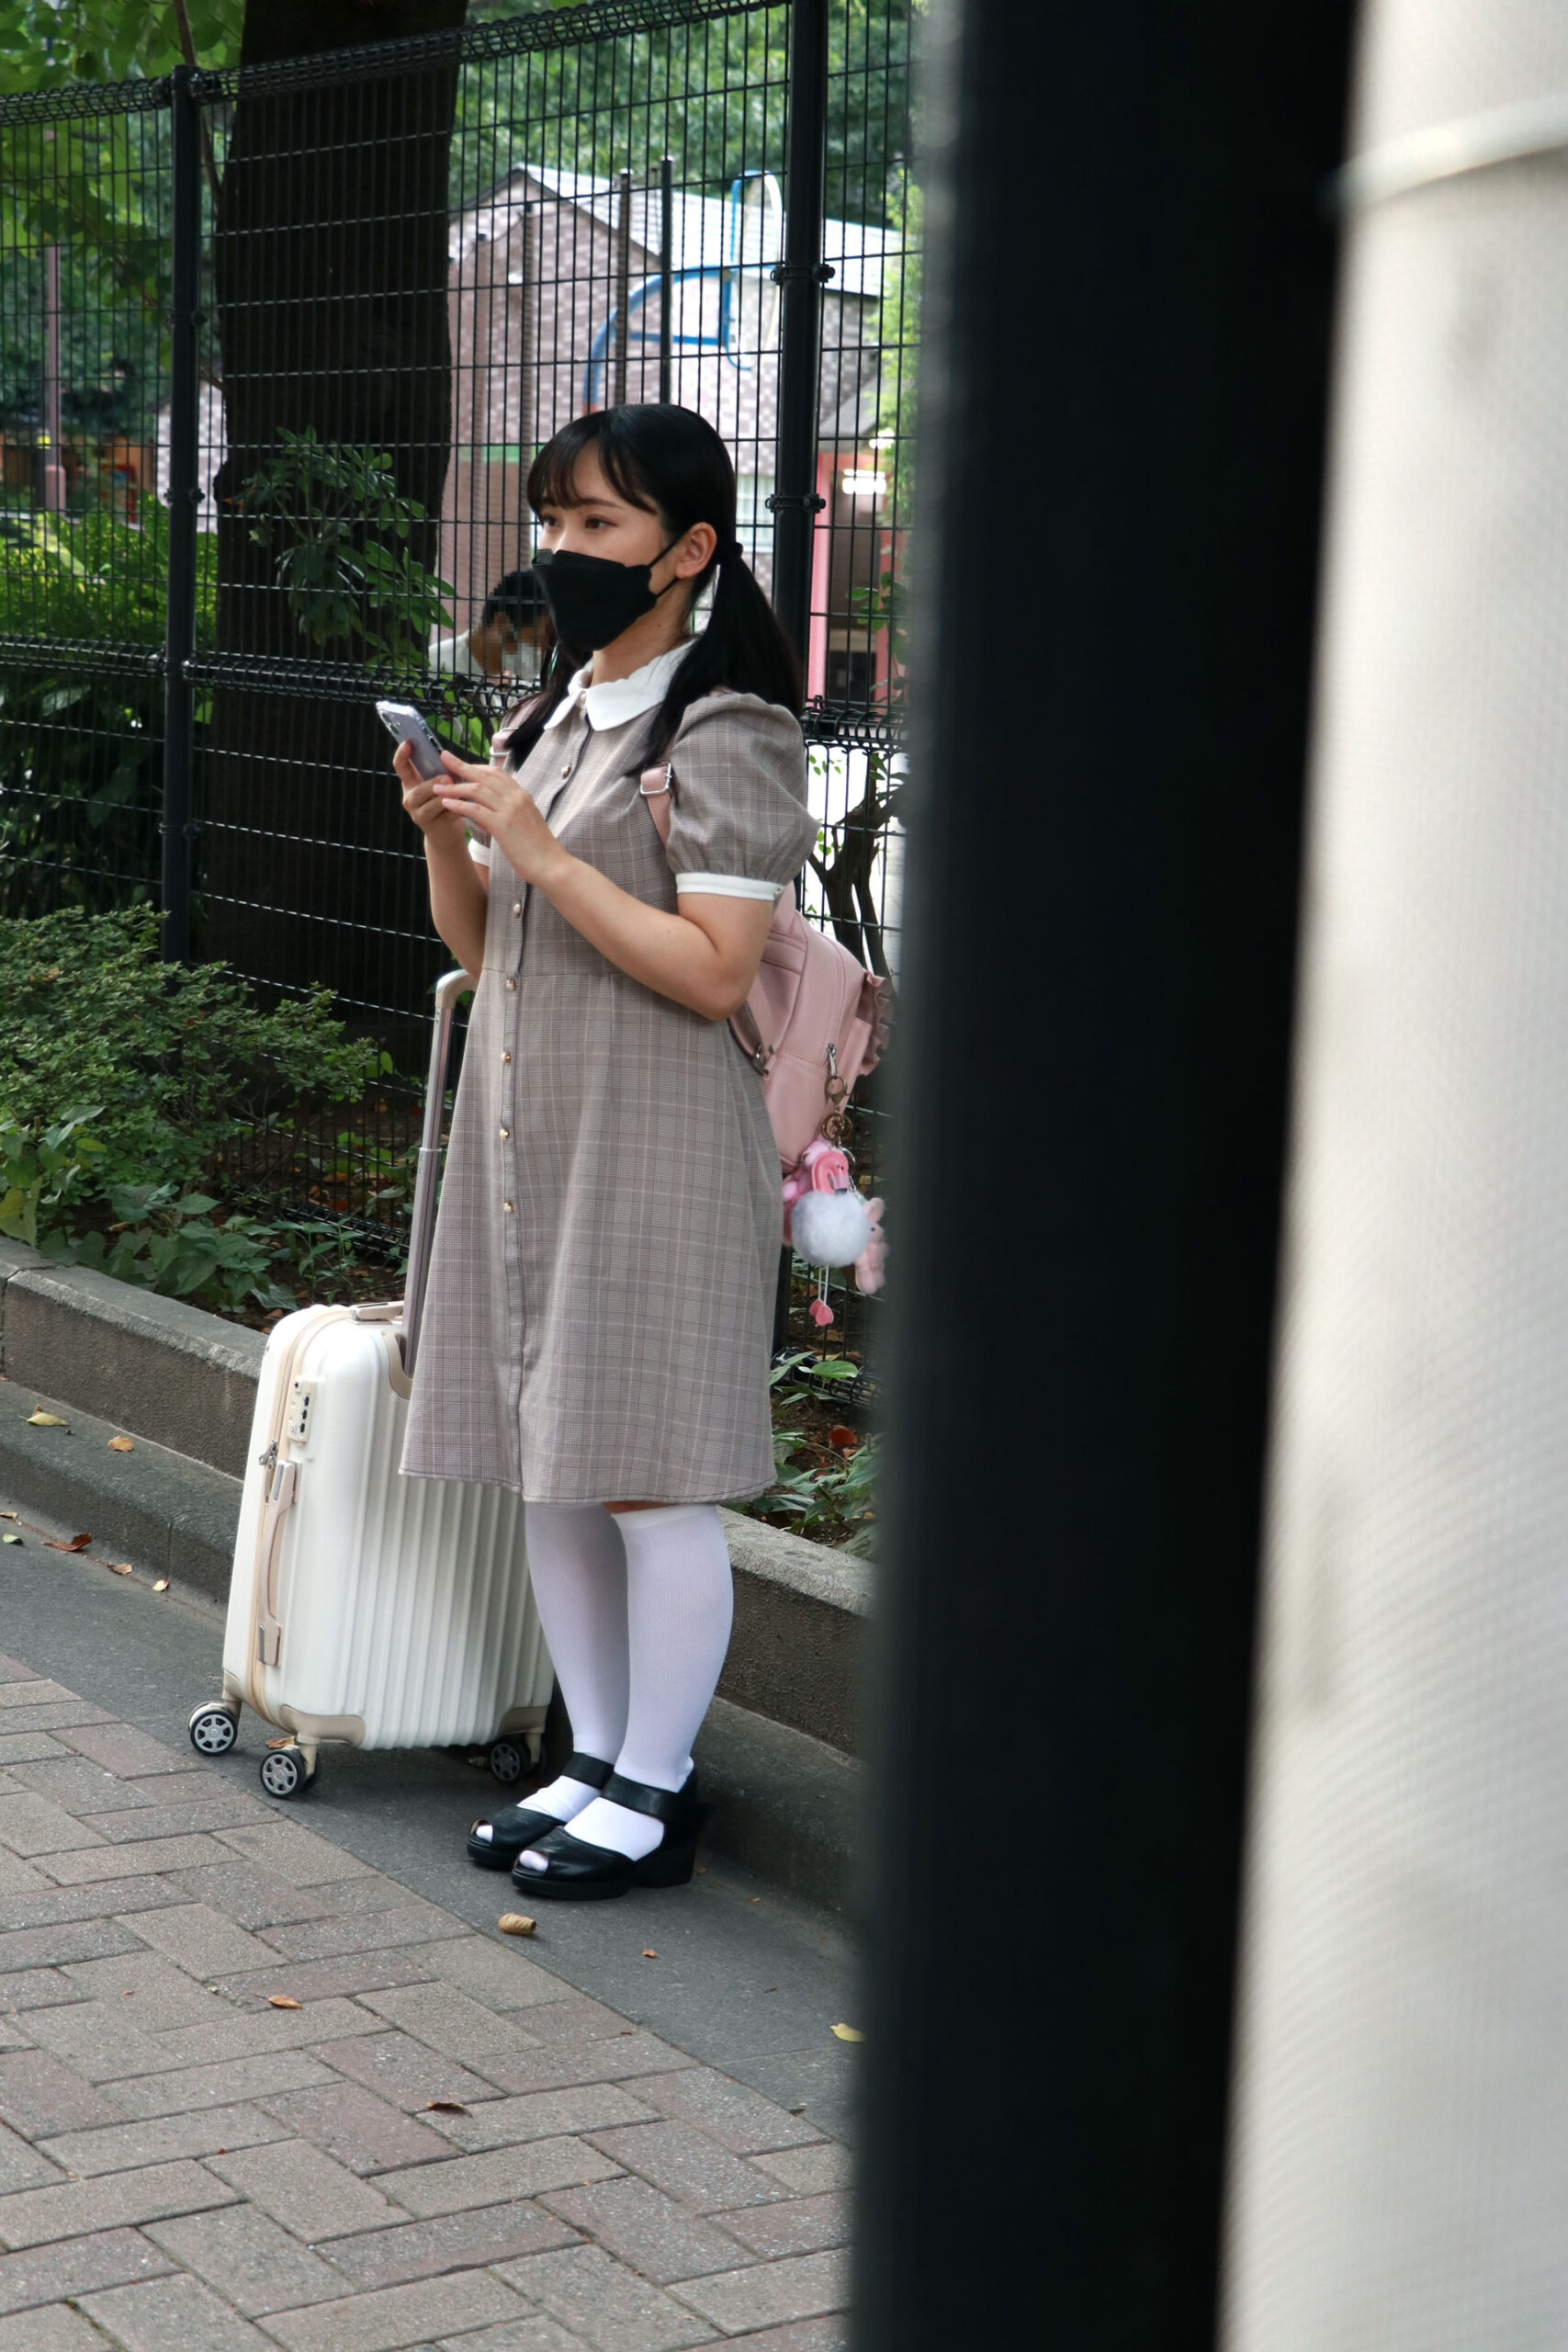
492 799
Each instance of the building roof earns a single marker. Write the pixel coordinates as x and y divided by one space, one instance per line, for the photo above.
701 228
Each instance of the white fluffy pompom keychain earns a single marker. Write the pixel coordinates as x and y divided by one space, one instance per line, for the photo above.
830 1229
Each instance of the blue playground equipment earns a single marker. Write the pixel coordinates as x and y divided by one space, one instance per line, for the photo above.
727 337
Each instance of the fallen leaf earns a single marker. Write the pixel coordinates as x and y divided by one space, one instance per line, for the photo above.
283 2001
9 1515
162 1585
128 1445
10 1539
38 1420
77 1543
516 1923
843 1437
649 1953
849 2033
446 2107
118 1568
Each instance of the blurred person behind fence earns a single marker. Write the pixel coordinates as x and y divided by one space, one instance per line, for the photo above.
508 640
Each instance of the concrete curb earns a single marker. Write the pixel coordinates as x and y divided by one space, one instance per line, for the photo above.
186 1382
186 1379
175 1516
776 1751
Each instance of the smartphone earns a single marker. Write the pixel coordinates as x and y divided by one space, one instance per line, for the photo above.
401 719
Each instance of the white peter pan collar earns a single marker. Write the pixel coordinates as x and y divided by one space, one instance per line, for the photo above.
619 699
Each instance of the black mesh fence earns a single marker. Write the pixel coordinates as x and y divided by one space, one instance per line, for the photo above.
276 347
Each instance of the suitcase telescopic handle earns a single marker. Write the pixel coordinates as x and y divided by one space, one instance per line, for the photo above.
427 1175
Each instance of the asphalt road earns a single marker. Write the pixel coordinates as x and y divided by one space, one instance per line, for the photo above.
746 1979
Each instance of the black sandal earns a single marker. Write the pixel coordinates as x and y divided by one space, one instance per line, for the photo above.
579 1872
517 1826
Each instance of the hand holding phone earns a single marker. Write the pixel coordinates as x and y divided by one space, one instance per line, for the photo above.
402 720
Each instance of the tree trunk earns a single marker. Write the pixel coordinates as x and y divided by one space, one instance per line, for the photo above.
330 261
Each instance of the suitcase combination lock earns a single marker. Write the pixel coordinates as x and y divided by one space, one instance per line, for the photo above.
304 1395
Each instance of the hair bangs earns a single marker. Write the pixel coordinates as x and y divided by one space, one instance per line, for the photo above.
552 477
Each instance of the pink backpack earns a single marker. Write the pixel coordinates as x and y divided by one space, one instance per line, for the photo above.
816 1019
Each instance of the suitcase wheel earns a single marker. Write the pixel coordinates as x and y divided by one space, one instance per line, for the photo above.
214 1729
285 1773
508 1761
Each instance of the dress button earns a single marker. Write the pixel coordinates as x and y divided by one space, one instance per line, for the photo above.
516 906
507 1206
505 1057
567 770
511 984
505 1135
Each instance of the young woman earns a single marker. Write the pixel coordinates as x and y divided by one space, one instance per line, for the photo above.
600 1305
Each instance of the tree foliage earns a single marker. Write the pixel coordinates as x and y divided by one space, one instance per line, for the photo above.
720 106
318 508
46 43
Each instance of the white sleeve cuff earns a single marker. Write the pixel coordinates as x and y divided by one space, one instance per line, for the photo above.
478 851
727 886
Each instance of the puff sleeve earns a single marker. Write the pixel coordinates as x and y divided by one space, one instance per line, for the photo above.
739 826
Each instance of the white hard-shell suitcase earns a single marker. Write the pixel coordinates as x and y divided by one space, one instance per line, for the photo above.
365 1606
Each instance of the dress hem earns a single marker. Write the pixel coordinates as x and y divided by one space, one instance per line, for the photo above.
741 1494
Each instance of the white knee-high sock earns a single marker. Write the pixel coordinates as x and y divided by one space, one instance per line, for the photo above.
680 1604
577 1563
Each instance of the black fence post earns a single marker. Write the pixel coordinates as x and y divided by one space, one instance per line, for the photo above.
666 270
795 502
179 643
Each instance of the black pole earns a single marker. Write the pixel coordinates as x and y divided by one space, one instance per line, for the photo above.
1125 339
666 271
623 280
179 644
795 502
801 274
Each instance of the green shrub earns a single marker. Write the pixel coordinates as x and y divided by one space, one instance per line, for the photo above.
171 1243
80 782
317 507
96 578
179 1060
40 1175
166 1240
81 751
821 1489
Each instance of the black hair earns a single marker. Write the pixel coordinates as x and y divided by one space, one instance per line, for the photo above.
672 462
516 597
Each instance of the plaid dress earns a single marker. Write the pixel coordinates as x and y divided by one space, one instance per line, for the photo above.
600 1309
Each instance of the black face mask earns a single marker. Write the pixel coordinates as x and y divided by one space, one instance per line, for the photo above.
592 600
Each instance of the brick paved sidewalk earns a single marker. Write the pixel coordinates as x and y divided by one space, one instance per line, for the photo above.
186 2167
